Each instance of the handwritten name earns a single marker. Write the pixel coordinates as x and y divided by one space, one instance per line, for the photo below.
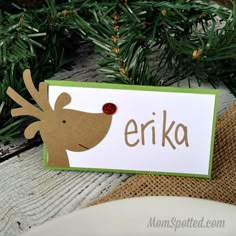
138 132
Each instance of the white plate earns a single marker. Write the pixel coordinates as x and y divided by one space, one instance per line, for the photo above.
165 216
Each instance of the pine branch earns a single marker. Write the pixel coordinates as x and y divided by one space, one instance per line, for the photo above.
183 35
30 39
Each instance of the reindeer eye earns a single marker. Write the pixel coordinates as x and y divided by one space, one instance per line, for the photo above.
64 121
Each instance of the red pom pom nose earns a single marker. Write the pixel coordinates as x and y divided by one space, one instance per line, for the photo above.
109 108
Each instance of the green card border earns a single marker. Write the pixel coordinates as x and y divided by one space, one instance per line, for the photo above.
214 92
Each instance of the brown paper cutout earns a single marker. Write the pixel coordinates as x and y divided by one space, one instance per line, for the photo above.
60 129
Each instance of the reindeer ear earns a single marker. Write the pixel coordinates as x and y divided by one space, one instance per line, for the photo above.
32 129
62 101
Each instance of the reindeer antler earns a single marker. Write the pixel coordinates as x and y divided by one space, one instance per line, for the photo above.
40 97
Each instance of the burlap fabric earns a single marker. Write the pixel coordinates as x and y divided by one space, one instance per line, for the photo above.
221 187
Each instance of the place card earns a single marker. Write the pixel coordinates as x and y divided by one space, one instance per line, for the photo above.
123 128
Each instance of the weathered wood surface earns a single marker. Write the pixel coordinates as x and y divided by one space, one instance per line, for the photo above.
31 195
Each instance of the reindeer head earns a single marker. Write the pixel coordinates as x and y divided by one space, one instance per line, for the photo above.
61 129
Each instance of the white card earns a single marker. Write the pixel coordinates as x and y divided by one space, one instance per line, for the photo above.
160 130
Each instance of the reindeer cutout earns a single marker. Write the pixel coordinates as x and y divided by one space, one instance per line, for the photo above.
60 129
